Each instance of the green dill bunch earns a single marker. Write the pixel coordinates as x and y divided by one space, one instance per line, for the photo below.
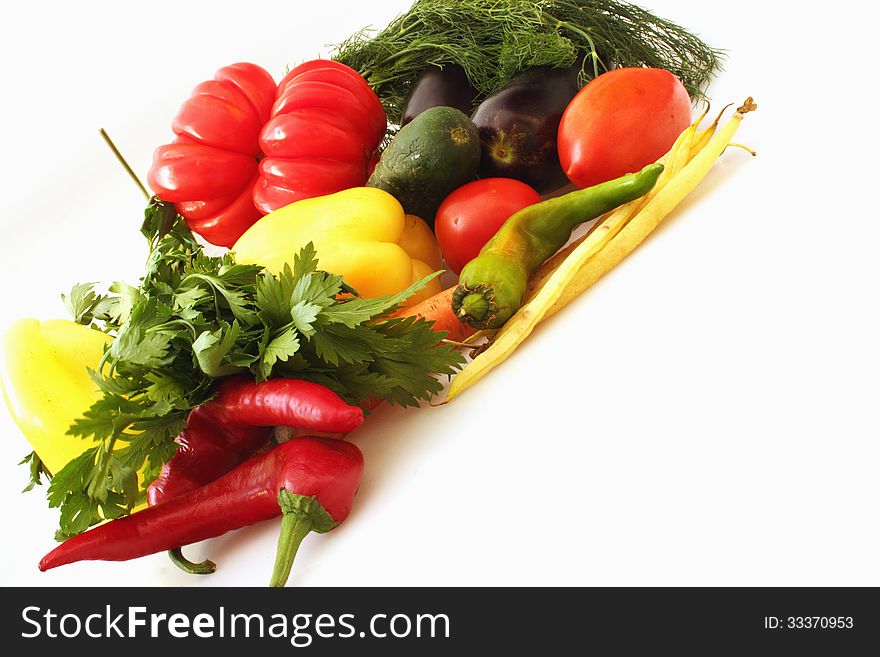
493 40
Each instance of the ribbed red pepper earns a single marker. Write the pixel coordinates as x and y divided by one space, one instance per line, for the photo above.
210 169
310 481
325 128
244 146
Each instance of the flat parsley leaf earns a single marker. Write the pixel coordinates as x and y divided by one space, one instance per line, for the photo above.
36 470
354 312
116 307
304 315
282 347
212 350
274 298
80 302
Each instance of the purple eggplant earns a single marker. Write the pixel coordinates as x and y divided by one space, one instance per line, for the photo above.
436 87
518 124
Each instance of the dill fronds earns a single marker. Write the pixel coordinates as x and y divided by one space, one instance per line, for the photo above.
493 40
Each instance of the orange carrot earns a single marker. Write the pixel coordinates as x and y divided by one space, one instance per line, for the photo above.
439 310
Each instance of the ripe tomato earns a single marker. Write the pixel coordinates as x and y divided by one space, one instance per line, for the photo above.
620 122
474 212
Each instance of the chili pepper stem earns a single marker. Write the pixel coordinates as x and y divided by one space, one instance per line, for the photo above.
300 515
474 305
206 567
294 528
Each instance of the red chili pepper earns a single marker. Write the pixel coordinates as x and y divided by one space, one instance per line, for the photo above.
237 422
245 147
310 481
231 427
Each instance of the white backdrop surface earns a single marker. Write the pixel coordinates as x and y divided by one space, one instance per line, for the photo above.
705 415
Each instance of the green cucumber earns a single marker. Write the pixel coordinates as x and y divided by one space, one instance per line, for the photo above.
432 155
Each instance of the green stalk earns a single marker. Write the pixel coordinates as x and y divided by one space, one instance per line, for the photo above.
294 528
206 567
300 515
124 163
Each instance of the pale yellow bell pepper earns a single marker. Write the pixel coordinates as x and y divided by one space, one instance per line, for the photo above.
46 383
361 234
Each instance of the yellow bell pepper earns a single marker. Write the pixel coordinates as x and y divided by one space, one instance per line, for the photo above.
46 384
361 234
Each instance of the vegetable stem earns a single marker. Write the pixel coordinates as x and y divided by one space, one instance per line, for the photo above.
124 163
206 567
294 528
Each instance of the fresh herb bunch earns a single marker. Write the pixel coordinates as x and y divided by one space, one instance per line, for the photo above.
196 318
493 40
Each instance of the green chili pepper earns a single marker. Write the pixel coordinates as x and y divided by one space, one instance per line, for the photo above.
492 285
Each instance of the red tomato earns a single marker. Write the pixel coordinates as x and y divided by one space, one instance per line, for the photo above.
474 212
620 122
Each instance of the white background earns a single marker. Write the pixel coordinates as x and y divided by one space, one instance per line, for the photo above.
705 415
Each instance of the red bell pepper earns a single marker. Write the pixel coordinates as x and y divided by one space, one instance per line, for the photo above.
311 482
244 146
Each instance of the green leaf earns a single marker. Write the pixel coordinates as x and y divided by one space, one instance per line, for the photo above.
114 385
234 299
319 288
116 505
190 298
117 309
120 471
280 348
78 513
164 386
105 418
135 346
353 312
305 262
274 297
411 369
303 315
72 477
80 302
211 350
235 275
36 471
337 344
151 443
159 219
